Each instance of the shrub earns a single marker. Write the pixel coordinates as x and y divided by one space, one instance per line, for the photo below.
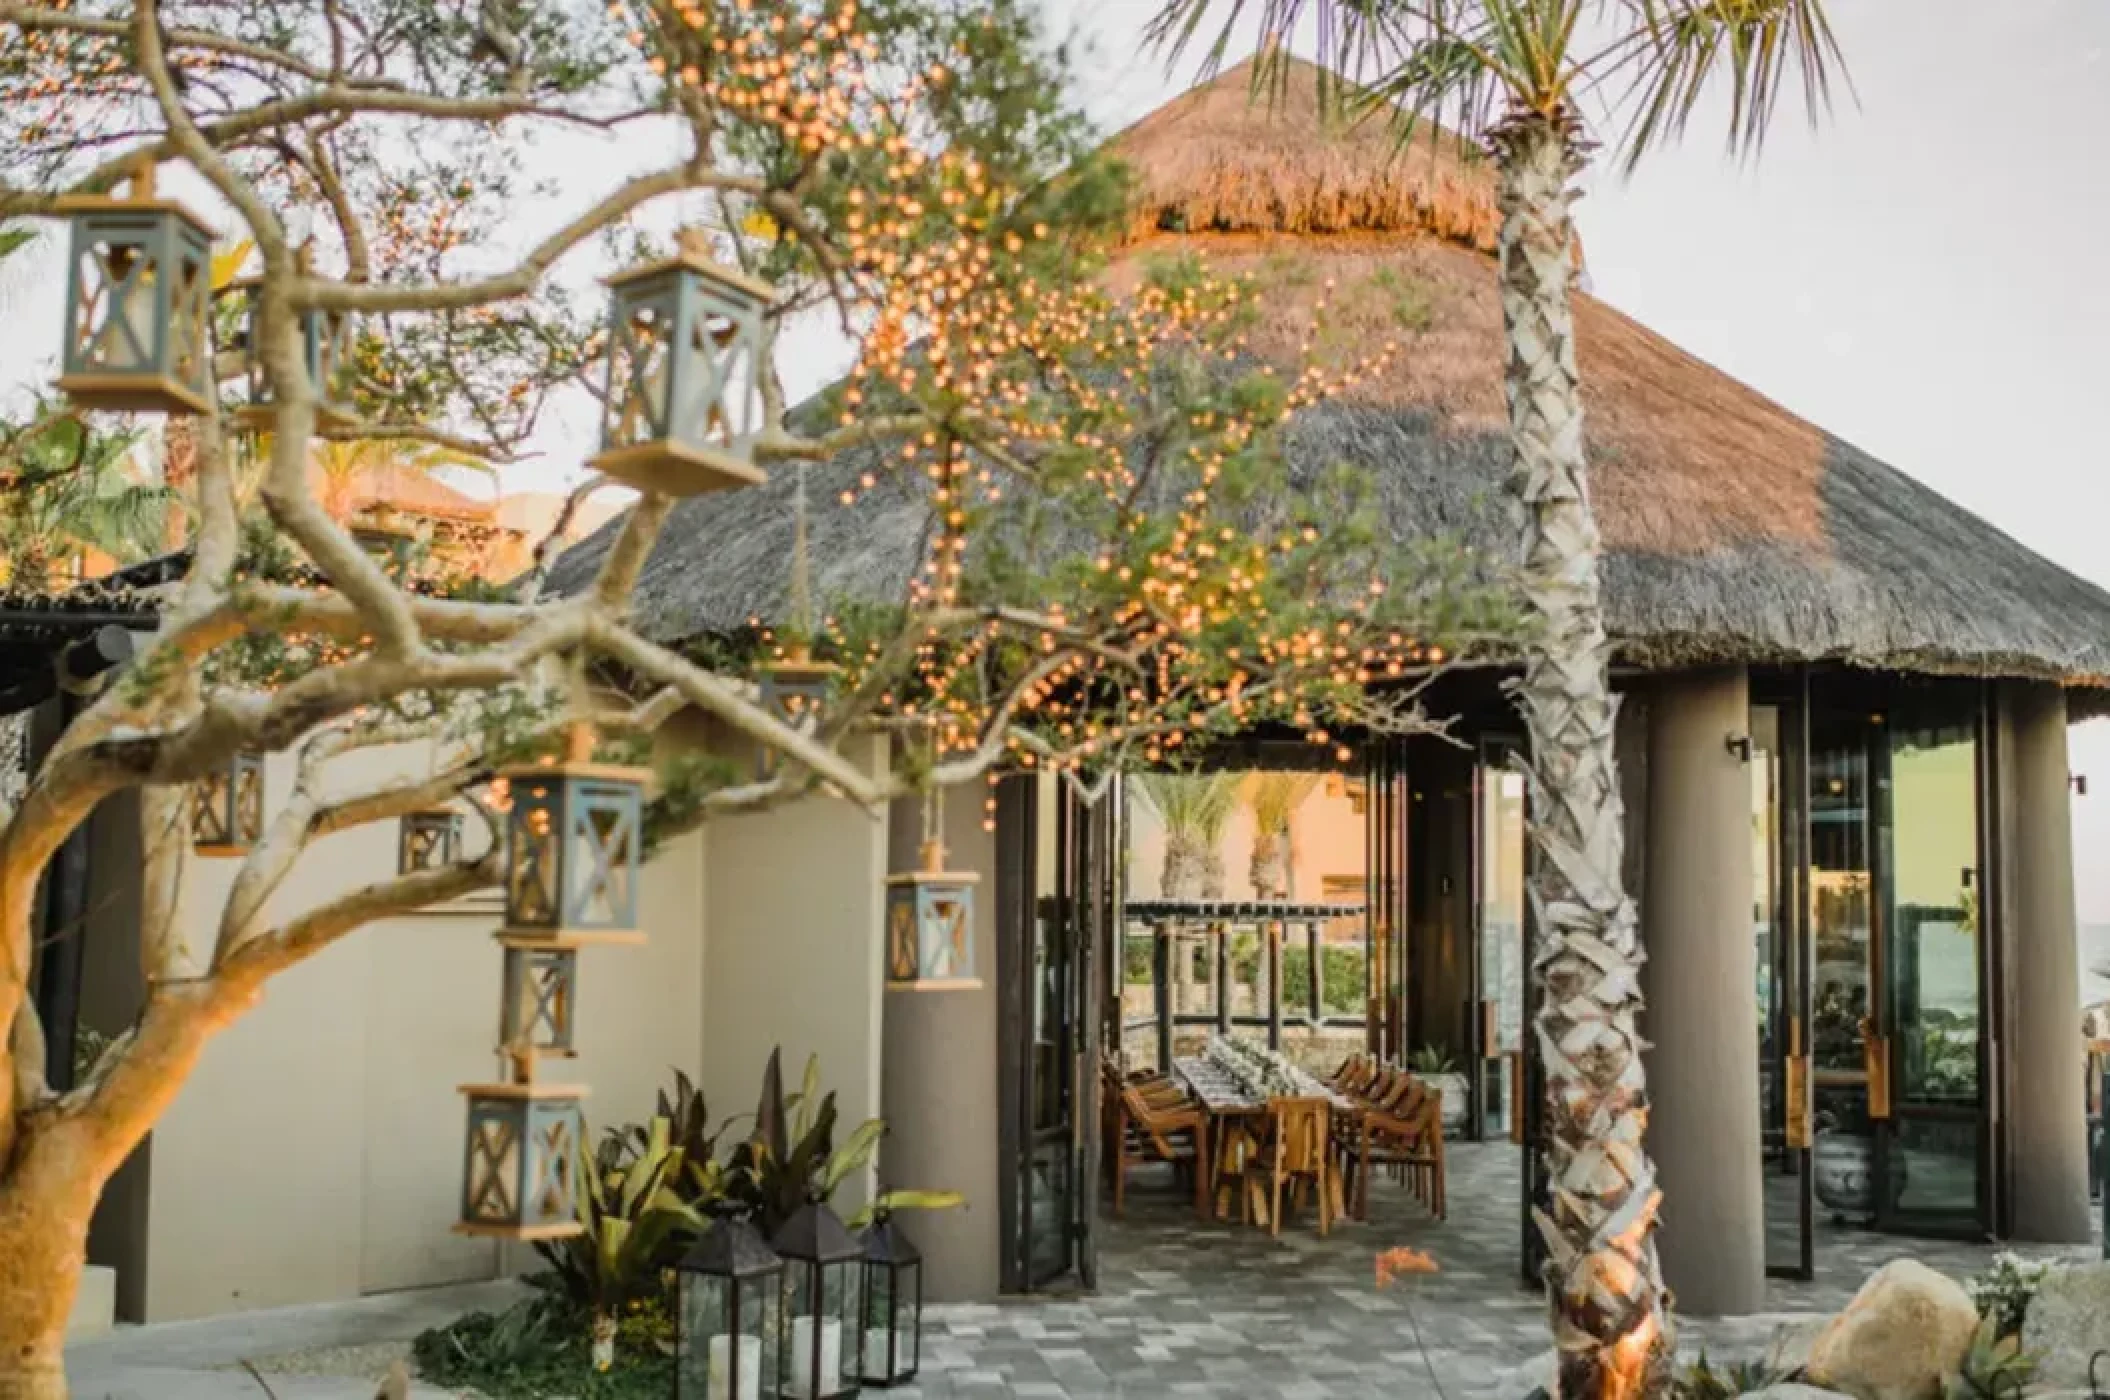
2003 1292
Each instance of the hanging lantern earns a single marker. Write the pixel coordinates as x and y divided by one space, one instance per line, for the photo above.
227 807
823 1270
138 298
795 689
893 1290
930 926
429 840
520 1176
573 833
684 346
729 1316
322 347
541 990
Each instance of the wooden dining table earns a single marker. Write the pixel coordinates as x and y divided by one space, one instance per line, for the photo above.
1237 1120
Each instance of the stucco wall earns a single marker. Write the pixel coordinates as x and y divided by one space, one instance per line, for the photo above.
941 1078
794 911
316 1152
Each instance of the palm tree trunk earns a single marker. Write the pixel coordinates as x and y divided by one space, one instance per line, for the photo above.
1605 1286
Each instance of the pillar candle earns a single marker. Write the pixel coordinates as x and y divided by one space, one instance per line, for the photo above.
803 1381
876 1339
721 1376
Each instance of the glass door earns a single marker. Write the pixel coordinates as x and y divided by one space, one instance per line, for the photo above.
1060 856
1930 1065
1500 977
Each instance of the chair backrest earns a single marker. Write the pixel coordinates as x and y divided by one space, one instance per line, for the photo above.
1406 1097
1301 1126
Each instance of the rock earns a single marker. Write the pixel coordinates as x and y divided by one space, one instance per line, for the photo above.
1903 1336
2068 1322
1791 1390
1789 1352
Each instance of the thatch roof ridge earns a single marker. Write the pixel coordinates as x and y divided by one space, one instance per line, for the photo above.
1212 160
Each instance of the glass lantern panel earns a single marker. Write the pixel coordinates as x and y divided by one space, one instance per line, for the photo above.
908 1316
715 392
553 1143
885 1351
532 857
839 1304
189 307
116 311
601 857
493 1166
208 811
818 1361
640 363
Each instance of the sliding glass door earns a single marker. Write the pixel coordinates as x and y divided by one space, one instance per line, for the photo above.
1500 973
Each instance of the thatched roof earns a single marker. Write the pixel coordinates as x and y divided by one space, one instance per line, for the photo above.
1734 531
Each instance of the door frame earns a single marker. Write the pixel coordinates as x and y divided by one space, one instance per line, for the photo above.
1077 900
1796 955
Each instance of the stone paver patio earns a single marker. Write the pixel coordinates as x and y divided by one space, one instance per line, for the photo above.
1183 1309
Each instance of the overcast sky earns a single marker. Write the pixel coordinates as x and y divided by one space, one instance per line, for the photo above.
1918 276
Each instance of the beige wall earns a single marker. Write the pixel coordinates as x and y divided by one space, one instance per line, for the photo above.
316 1152
941 1078
794 908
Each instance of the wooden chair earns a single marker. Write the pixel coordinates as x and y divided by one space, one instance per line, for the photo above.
1407 1141
1298 1154
1147 1131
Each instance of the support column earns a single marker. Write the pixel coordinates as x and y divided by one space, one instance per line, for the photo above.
2045 1112
1702 995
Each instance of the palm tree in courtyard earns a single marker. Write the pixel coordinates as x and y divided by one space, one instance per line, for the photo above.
1511 74
68 490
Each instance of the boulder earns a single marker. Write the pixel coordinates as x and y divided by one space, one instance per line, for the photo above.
1789 1352
1903 1336
1791 1390
2068 1322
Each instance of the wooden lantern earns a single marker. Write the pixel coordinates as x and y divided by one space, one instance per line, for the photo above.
322 348
930 926
429 840
520 1171
684 345
541 991
227 808
573 850
139 301
795 689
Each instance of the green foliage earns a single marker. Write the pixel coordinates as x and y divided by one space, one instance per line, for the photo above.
68 486
636 1217
1701 1381
791 1158
1432 1059
1995 1367
539 1350
2002 1293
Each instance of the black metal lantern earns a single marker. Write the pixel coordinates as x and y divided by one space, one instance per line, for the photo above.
541 991
930 926
893 1288
227 807
823 1283
729 1316
520 1175
573 846
429 840
683 406
138 299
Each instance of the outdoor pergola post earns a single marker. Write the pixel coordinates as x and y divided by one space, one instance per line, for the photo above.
1222 933
1272 931
1165 931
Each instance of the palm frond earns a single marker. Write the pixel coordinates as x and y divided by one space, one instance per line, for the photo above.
1275 798
1678 49
1197 805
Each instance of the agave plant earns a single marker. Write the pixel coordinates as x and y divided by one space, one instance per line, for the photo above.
635 1221
790 1158
1995 1368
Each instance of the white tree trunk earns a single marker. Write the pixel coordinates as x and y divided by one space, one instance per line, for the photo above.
1605 1285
